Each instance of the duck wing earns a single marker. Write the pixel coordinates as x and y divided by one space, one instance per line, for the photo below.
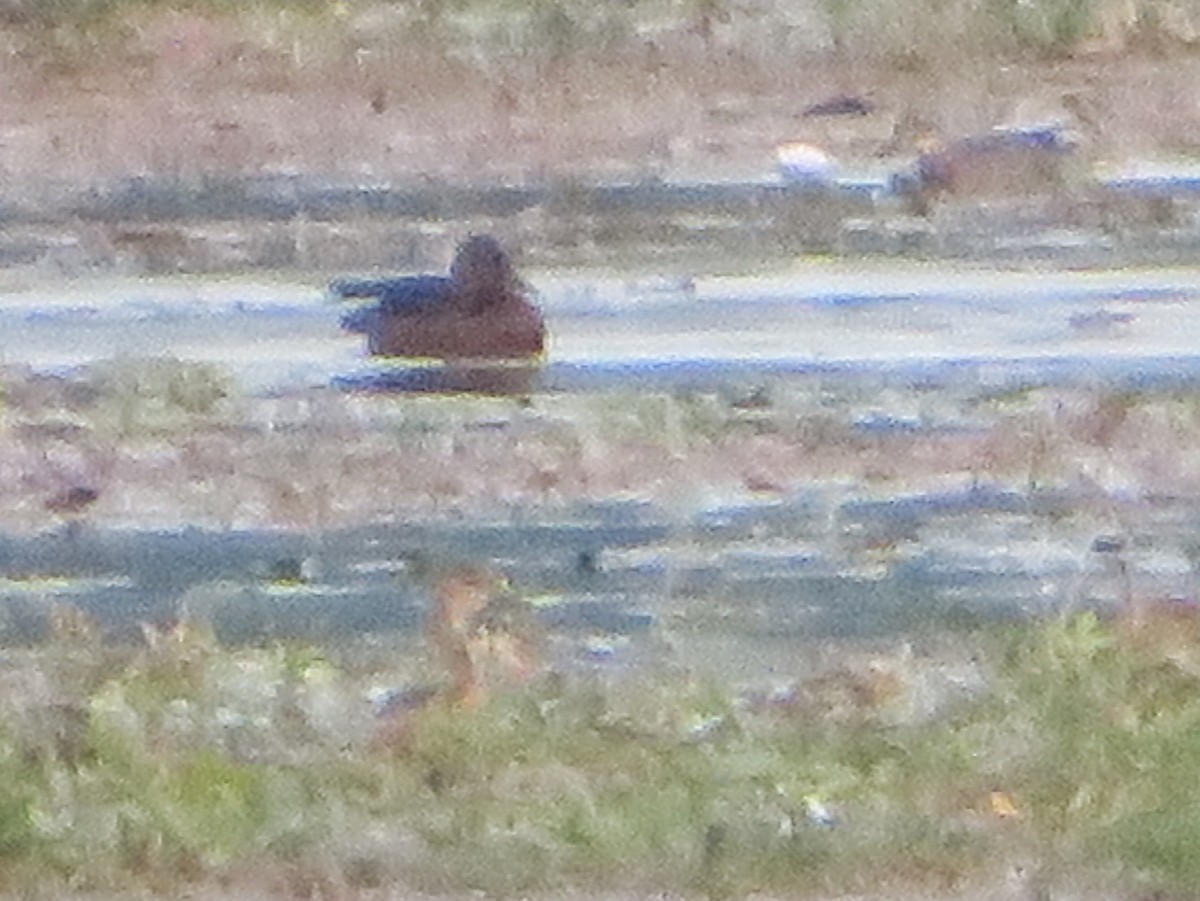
396 297
412 294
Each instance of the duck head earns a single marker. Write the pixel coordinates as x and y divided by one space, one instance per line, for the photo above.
482 273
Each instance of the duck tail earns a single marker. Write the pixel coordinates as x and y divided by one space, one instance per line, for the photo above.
357 287
360 321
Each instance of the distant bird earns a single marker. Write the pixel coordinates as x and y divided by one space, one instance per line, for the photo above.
1006 161
483 632
480 311
803 163
71 506
840 105
72 501
484 636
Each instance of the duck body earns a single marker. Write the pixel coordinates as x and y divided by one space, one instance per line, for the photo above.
480 311
1016 148
1004 162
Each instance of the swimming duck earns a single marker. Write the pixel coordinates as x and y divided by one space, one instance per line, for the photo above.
479 311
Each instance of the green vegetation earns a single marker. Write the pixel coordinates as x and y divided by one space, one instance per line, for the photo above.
135 397
197 762
85 13
122 398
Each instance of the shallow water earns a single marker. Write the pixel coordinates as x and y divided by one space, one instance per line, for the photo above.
747 572
608 329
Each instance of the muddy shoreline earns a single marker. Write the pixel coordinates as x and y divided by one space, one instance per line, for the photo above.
314 224
187 146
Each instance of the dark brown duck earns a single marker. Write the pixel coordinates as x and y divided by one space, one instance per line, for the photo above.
481 310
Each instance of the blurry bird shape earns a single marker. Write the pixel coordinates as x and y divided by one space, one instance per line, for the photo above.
71 507
483 632
73 500
1005 161
484 636
841 105
480 311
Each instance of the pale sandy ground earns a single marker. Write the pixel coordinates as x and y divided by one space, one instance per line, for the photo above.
189 96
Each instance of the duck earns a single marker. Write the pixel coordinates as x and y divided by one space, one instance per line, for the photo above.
480 311
1005 161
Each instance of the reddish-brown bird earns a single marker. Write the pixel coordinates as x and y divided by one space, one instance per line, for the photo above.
483 635
1002 162
480 311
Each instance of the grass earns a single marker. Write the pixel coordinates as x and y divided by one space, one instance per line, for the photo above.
554 31
136 397
189 761
197 100
200 761
182 437
501 35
